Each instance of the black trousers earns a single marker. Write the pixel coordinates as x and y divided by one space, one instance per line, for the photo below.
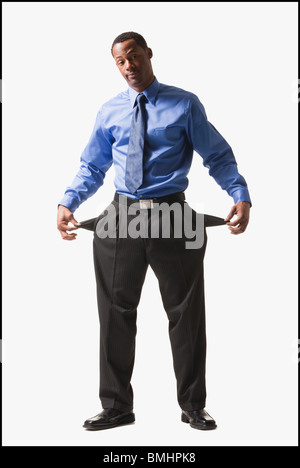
120 267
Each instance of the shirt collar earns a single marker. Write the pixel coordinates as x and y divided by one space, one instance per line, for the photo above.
150 93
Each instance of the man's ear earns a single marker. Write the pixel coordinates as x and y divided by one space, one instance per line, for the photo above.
149 52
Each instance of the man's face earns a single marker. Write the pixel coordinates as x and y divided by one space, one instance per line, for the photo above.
134 64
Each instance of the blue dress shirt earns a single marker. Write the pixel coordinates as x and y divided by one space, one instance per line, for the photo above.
176 126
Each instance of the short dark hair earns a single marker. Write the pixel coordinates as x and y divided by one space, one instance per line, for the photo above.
130 35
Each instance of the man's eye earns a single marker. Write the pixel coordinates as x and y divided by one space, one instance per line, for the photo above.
120 63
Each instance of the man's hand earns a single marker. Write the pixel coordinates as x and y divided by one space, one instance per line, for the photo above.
65 216
242 212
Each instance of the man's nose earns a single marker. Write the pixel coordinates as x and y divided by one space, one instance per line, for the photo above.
128 65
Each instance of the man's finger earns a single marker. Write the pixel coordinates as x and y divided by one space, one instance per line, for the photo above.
66 236
239 229
73 221
70 237
235 222
235 230
231 214
240 219
65 227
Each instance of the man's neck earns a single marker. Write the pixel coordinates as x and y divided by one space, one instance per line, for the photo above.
140 89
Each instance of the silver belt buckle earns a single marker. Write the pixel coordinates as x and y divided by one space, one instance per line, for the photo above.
146 204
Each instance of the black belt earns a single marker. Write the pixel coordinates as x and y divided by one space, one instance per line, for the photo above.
148 202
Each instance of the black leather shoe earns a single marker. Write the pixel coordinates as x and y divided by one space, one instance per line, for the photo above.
198 419
108 418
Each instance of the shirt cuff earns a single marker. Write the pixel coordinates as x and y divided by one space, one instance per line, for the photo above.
241 194
69 202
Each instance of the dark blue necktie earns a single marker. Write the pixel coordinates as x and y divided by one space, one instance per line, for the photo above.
134 163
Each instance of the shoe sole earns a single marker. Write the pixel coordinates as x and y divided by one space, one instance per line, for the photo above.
185 419
127 420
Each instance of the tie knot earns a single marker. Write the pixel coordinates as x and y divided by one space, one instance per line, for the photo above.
141 98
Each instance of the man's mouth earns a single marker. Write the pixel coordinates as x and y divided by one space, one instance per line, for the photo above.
132 75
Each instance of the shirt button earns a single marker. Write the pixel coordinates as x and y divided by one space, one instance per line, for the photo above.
141 196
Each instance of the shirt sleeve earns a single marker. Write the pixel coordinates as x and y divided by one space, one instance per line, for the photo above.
95 161
217 155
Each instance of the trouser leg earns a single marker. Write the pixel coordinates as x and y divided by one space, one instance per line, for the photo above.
120 268
181 281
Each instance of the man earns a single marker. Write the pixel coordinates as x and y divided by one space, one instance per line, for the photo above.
150 132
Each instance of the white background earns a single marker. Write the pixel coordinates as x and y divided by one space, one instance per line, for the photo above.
240 59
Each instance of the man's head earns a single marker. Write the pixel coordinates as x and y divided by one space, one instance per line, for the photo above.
133 58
